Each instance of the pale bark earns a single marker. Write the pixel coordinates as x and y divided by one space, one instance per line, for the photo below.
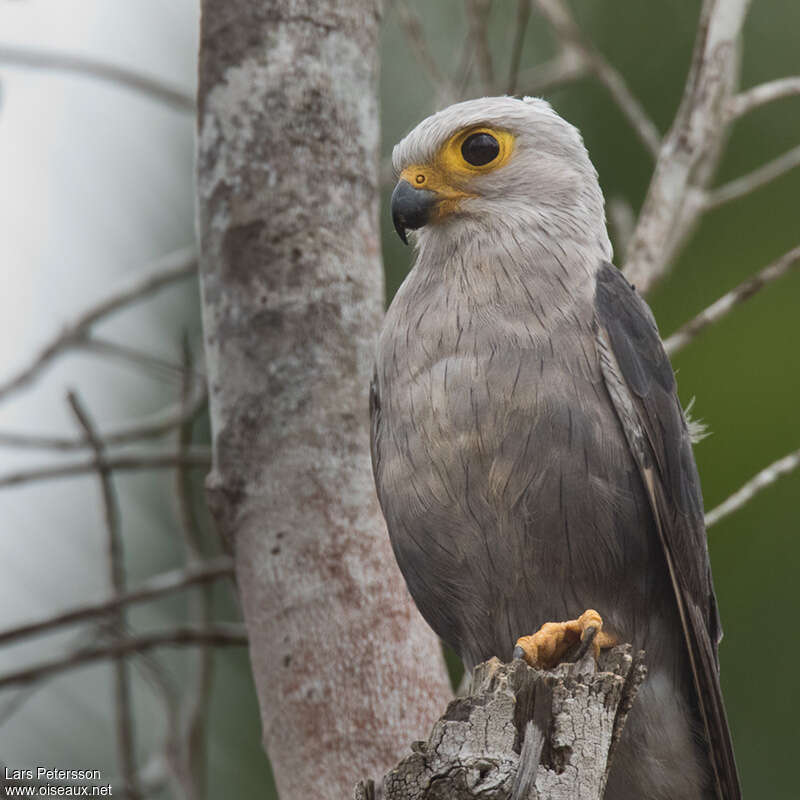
347 673
690 151
522 733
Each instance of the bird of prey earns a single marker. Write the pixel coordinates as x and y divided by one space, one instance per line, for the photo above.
530 453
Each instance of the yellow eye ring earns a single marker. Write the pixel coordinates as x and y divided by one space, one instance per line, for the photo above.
419 179
453 158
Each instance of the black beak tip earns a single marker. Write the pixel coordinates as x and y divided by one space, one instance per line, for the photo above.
411 208
401 231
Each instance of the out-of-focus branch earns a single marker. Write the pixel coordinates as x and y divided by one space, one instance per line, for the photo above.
218 635
757 96
160 423
477 13
195 756
158 586
623 222
65 62
196 457
557 13
174 763
567 66
720 308
520 28
765 478
173 267
126 743
123 352
690 151
739 187
411 24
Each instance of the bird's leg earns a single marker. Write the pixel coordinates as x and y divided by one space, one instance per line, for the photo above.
547 647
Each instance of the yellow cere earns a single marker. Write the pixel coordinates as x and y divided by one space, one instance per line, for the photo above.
449 173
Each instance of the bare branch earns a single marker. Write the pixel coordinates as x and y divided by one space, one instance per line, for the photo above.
720 308
126 742
173 267
218 635
691 149
162 422
65 62
557 13
197 457
757 96
753 180
158 586
765 478
521 27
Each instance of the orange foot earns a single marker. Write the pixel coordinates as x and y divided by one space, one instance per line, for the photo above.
548 646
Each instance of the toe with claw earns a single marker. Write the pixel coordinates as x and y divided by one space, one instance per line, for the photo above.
550 645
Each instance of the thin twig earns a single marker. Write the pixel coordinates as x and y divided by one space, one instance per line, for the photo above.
464 69
17 701
198 457
158 586
739 187
765 478
720 308
219 635
150 427
757 96
557 13
110 73
126 740
173 267
105 347
158 677
521 27
201 603
412 27
477 13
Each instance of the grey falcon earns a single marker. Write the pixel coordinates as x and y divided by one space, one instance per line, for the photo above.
530 453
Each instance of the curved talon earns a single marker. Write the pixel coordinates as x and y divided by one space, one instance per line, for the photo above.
550 644
588 640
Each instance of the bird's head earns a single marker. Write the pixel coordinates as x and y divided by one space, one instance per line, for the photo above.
496 160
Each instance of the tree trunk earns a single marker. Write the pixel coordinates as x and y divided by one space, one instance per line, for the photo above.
347 673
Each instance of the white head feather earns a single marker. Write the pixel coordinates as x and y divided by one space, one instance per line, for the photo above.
548 188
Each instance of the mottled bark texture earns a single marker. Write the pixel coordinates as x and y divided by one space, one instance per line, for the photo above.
347 673
522 733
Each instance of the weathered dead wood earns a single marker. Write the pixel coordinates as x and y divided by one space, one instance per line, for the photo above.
522 733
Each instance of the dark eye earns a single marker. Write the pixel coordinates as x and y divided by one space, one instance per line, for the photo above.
480 149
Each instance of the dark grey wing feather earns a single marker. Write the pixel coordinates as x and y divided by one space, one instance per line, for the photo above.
374 420
641 384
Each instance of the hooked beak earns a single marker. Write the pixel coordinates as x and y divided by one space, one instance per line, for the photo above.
411 208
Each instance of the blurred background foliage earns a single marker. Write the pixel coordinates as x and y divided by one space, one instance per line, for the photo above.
104 184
